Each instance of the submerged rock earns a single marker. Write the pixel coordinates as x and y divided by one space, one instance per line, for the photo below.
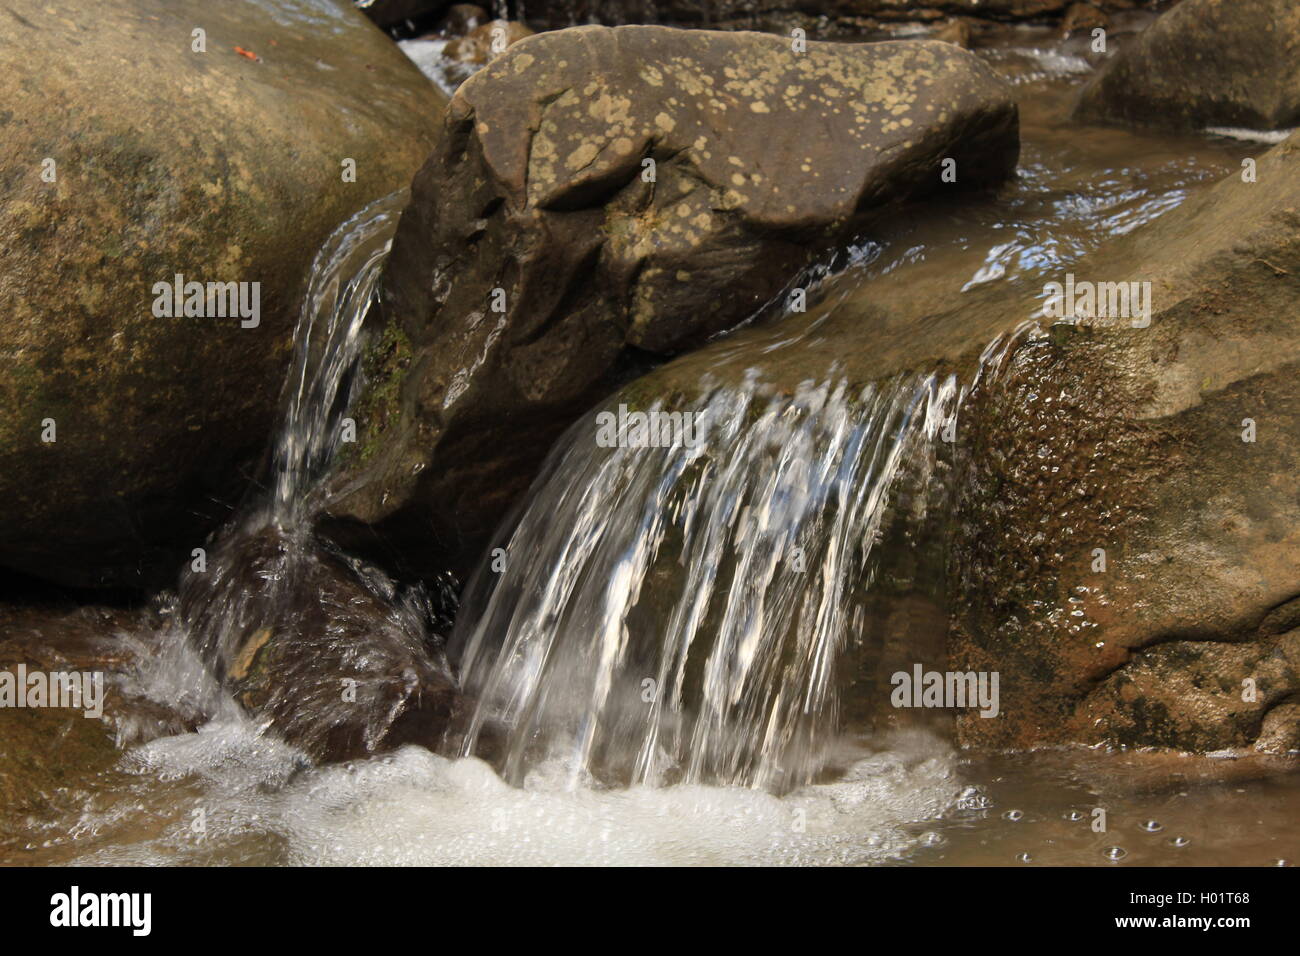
1206 63
332 655
604 198
486 41
168 137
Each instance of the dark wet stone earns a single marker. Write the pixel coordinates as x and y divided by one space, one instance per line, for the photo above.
1206 63
335 657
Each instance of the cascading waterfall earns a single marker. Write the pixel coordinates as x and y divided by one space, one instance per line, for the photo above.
680 613
266 576
327 345
670 611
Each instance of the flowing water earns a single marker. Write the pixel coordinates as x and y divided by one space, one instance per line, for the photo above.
681 613
671 658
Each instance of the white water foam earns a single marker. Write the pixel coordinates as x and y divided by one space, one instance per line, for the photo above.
414 808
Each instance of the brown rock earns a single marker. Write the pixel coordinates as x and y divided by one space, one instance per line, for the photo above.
956 31
1206 63
165 160
462 18
1106 436
1084 16
485 42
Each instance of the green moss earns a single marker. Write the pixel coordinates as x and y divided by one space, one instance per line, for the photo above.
383 371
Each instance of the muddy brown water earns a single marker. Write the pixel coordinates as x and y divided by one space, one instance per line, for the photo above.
228 794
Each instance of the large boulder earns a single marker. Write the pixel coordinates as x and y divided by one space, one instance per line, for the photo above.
130 158
1206 63
602 198
1130 541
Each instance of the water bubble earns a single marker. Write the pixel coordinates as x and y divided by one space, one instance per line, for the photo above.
1152 826
1114 853
1024 858
1280 862
930 838
1013 815
1075 815
1178 841
973 798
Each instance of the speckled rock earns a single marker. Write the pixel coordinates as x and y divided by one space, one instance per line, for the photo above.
1206 63
606 197
129 157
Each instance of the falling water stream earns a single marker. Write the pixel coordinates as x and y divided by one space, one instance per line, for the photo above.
749 549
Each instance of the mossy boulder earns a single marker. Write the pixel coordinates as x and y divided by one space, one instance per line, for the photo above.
164 137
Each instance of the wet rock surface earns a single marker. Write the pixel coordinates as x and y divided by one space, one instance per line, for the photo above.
1172 448
50 755
603 198
1206 63
130 158
334 657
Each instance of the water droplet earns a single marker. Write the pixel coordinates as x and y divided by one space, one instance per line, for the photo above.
1281 862
1013 815
930 838
1178 841
1152 826
1024 858
1075 815
1114 853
